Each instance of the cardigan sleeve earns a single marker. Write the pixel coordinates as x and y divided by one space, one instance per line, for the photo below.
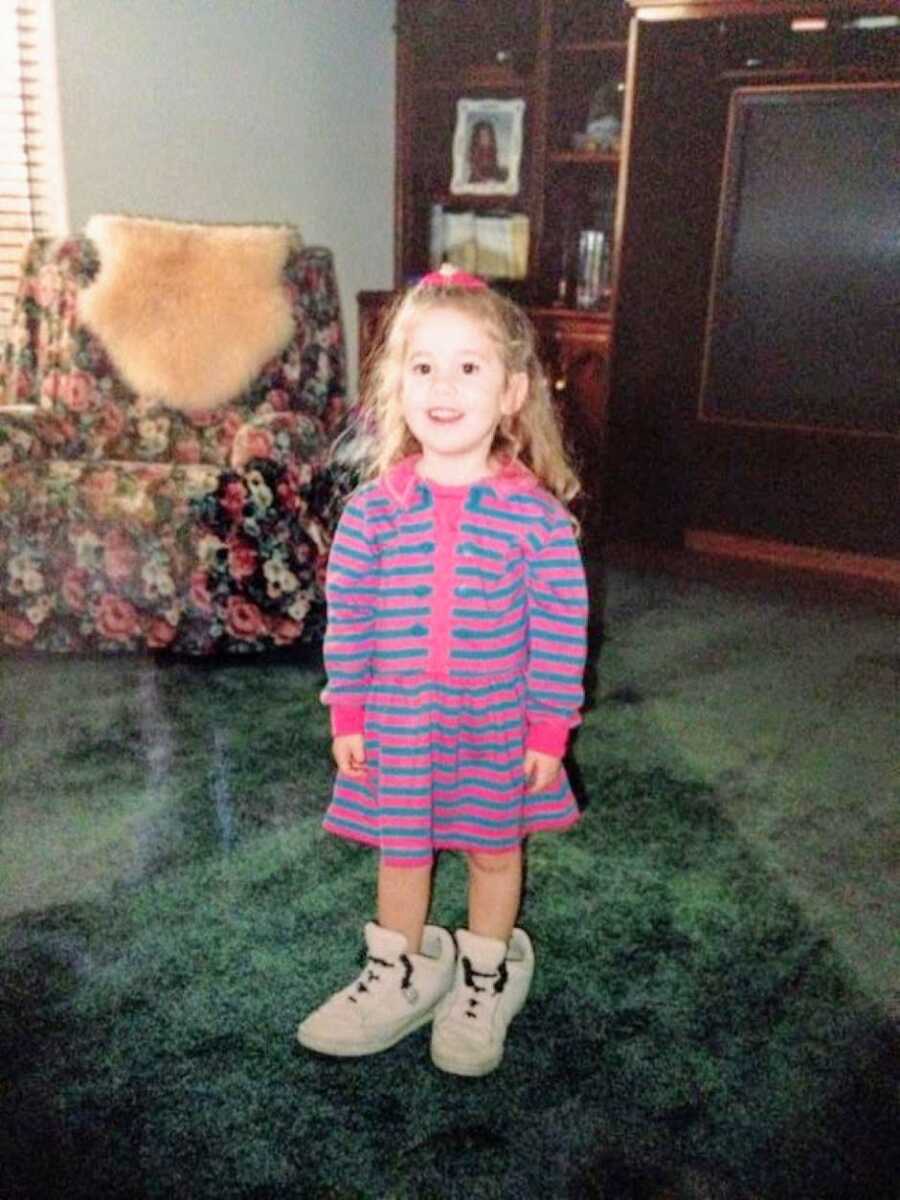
557 635
350 593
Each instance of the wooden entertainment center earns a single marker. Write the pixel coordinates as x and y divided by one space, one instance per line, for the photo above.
678 476
554 55
626 365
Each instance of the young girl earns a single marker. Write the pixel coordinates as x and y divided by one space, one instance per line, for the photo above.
455 648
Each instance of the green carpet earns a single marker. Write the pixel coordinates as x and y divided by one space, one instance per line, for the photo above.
170 909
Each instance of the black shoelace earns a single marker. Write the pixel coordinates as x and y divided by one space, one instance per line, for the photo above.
470 975
370 975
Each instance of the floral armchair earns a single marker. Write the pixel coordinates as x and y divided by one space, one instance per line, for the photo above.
129 525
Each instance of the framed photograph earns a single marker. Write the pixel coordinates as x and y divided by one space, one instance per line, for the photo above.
487 147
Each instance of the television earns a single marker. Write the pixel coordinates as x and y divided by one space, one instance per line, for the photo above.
803 320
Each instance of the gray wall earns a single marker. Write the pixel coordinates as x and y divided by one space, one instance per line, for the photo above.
237 110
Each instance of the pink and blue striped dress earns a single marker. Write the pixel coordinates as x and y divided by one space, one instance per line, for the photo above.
456 640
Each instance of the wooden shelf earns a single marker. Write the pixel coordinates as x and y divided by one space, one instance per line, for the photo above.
522 87
772 75
598 316
479 79
607 46
478 203
585 157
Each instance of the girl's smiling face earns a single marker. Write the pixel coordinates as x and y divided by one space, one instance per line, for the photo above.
455 391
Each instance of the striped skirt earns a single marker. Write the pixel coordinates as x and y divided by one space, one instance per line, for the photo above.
444 771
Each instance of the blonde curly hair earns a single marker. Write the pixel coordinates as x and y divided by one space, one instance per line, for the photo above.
531 436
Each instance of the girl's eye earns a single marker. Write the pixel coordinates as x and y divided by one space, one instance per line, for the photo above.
420 368
469 368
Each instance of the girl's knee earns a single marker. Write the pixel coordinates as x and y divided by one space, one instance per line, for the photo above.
494 864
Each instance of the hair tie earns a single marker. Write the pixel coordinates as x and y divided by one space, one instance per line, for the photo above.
450 276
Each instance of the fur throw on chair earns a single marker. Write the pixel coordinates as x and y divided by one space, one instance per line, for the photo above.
189 314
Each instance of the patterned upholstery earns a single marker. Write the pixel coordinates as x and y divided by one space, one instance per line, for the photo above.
126 525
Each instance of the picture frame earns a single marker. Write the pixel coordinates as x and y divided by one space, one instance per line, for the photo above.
487 147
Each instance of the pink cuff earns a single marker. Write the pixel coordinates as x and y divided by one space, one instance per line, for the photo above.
347 718
547 738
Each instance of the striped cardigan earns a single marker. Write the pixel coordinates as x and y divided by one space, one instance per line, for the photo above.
464 584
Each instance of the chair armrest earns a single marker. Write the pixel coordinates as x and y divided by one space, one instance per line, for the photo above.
19 437
313 372
279 437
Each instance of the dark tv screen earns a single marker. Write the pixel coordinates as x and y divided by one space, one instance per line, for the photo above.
803 325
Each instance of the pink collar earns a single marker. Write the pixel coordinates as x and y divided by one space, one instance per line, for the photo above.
401 479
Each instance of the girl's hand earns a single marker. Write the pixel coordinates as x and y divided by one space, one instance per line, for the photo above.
349 752
541 771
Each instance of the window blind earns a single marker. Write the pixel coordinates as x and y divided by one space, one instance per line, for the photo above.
32 190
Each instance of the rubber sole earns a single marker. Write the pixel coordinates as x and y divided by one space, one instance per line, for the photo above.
341 1049
470 1070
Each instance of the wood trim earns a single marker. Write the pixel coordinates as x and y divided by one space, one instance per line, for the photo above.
804 558
403 148
619 220
536 129
686 10
823 431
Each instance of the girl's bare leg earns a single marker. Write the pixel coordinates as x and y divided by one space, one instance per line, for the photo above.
495 893
404 895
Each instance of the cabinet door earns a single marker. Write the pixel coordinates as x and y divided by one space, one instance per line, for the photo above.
586 65
575 354
745 483
373 309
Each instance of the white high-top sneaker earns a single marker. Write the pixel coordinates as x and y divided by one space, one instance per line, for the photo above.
395 993
492 982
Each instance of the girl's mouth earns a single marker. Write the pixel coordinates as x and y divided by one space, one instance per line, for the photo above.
444 416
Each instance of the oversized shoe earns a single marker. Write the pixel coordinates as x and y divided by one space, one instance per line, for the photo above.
491 985
395 993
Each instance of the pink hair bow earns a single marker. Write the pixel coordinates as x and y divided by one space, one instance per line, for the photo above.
450 276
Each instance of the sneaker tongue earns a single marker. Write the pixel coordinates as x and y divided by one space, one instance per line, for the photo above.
384 943
484 953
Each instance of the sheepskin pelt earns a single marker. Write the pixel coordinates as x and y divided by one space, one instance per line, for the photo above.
189 314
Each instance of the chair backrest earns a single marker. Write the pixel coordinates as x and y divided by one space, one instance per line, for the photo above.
87 411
